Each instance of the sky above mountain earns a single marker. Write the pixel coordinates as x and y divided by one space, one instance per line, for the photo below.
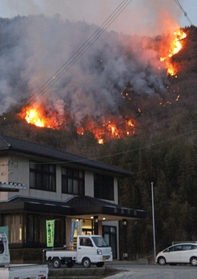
139 16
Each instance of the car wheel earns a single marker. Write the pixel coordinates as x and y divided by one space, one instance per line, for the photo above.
86 262
100 264
56 262
162 261
193 261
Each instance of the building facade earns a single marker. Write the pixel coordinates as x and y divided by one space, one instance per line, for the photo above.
39 183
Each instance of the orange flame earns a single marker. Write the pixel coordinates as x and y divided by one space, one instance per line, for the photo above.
38 116
175 47
111 129
33 117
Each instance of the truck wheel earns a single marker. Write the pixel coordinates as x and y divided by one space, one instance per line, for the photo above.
86 262
70 264
101 264
56 262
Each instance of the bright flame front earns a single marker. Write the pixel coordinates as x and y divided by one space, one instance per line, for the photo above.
34 117
40 117
103 131
175 47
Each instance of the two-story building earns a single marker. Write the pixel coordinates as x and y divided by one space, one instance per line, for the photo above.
39 183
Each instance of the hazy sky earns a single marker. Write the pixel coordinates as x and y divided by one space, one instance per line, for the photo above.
140 16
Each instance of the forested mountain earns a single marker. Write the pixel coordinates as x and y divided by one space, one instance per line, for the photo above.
120 78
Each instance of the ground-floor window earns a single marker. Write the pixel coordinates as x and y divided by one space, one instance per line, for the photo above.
15 224
110 235
29 230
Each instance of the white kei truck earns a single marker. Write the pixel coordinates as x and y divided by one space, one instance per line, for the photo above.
18 271
90 249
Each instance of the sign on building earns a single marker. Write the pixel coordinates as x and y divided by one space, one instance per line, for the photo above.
50 232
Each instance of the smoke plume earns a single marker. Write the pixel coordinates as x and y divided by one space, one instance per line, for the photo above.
33 48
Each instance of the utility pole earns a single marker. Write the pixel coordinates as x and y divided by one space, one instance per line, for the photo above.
153 218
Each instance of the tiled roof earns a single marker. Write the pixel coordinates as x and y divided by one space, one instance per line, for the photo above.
87 201
74 206
27 204
10 143
88 205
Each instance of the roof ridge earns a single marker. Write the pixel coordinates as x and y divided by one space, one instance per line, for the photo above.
30 147
45 146
4 140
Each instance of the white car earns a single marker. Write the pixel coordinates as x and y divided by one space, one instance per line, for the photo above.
185 253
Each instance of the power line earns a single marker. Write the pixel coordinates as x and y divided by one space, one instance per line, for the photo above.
152 144
147 146
184 12
67 65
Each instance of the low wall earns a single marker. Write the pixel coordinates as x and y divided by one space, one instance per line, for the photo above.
26 255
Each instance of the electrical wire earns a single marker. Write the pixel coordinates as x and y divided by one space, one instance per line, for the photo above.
68 64
82 159
184 12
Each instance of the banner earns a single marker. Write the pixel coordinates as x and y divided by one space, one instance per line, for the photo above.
50 232
73 227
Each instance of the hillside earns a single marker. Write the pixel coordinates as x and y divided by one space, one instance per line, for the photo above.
117 80
132 89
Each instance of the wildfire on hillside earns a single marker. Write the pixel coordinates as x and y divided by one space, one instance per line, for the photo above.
40 117
175 47
108 127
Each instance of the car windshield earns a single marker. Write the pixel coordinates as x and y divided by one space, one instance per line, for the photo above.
99 241
181 247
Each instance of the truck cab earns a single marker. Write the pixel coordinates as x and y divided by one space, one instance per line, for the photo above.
93 249
4 250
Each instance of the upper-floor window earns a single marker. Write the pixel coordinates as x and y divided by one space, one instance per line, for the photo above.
103 187
43 176
72 181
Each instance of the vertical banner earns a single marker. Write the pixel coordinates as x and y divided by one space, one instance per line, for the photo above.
73 227
50 232
79 227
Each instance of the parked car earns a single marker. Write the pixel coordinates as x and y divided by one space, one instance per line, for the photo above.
184 253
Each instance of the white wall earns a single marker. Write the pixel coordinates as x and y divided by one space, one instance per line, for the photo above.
89 184
18 171
15 168
116 190
4 172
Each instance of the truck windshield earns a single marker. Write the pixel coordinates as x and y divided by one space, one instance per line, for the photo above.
1 247
99 241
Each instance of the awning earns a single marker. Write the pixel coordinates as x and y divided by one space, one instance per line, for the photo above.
86 207
83 207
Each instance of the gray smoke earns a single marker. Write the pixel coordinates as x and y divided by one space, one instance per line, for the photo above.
150 17
33 48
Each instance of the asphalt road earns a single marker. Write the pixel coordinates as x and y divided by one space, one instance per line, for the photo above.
155 272
130 270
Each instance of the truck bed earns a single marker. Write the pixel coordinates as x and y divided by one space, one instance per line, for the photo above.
61 254
24 270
